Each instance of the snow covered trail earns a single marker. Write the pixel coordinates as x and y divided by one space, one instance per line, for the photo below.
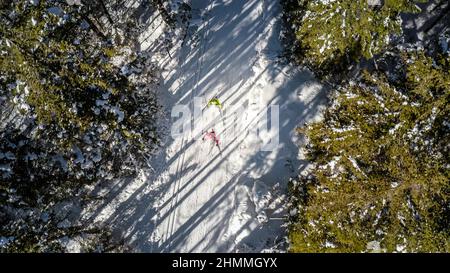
200 198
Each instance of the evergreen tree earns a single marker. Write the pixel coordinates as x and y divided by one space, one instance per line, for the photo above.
68 117
380 180
333 34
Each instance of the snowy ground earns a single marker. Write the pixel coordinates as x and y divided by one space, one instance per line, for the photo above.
200 199
434 19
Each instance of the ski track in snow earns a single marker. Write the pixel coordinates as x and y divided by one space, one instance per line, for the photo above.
200 199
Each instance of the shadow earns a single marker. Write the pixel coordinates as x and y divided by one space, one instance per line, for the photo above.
432 20
200 199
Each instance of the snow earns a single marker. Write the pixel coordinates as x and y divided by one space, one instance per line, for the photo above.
79 155
374 246
400 248
326 2
61 161
56 11
395 128
101 102
97 156
355 164
70 245
200 198
74 2
9 156
64 224
5 168
120 114
84 24
443 42
329 244
4 241
45 216
372 3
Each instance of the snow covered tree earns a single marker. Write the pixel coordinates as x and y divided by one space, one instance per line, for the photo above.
332 34
52 60
68 115
381 175
165 13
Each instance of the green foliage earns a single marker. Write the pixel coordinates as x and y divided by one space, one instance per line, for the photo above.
68 117
381 170
75 70
88 240
333 34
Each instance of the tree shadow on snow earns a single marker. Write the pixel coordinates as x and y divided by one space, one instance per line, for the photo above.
166 213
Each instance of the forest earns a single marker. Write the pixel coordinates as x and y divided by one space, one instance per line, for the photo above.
89 92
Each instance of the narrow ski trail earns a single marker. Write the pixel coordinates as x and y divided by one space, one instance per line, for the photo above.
200 198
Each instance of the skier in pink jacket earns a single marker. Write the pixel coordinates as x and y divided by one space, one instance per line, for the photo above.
212 135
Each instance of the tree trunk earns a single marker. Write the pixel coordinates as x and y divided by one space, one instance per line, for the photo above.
105 10
94 27
164 13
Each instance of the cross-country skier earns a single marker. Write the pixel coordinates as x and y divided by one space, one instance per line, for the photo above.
213 136
215 101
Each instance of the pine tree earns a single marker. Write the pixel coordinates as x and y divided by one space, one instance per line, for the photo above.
381 180
333 34
68 117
